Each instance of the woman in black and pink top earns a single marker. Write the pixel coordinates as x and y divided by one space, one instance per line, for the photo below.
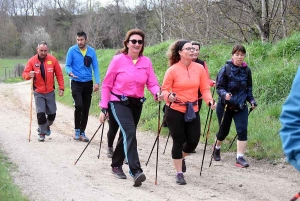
123 90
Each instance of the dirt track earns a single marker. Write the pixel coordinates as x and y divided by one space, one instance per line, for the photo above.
46 171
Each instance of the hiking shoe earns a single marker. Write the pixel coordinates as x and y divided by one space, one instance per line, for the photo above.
110 152
216 155
48 131
76 134
41 137
138 178
83 138
118 172
241 162
183 165
180 179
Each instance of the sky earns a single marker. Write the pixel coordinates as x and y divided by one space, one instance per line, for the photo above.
106 2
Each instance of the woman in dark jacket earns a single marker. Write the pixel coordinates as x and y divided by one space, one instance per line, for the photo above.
234 87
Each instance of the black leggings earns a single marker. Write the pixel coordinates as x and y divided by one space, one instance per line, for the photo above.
113 128
186 135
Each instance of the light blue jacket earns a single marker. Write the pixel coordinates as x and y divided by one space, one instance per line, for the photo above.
290 120
75 64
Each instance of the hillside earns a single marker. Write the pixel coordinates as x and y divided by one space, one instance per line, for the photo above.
273 67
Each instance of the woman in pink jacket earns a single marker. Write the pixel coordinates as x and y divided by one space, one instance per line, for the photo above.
123 90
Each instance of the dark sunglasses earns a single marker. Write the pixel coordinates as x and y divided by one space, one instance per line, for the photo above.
138 41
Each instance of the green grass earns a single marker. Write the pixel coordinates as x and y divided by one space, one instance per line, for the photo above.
7 66
8 190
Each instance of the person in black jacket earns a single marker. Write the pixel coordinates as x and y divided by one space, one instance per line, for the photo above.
196 59
234 87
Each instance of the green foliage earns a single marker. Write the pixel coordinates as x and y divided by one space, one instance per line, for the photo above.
8 190
59 55
287 47
272 74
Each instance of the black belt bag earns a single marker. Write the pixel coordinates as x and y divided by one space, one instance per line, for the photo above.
189 114
130 100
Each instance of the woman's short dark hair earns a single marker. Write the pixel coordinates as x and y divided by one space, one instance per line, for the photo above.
238 48
127 37
196 43
173 51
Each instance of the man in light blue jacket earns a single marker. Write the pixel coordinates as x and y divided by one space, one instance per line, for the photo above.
290 120
80 62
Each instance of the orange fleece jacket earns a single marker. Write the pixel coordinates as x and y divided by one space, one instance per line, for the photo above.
185 82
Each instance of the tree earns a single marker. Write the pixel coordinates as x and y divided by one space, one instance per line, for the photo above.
264 14
9 36
32 37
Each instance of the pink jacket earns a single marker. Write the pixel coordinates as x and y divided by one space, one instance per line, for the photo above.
123 77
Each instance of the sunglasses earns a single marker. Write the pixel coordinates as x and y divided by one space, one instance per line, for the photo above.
137 41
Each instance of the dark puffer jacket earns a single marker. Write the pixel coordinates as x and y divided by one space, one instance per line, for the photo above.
238 83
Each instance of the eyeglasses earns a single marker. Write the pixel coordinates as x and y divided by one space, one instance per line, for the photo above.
189 49
138 41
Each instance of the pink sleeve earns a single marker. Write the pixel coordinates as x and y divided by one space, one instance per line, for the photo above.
152 82
107 83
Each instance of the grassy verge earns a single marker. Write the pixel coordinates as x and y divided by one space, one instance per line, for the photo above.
8 190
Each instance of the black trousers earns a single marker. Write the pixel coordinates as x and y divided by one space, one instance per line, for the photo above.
127 117
113 128
240 118
186 135
82 95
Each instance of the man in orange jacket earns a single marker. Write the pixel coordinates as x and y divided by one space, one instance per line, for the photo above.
42 68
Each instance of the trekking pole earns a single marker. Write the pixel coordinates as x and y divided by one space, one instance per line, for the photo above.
30 113
207 134
158 132
167 142
225 108
88 143
158 135
295 197
101 140
208 114
237 134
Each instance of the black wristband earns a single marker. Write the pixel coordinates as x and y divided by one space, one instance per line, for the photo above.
104 110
